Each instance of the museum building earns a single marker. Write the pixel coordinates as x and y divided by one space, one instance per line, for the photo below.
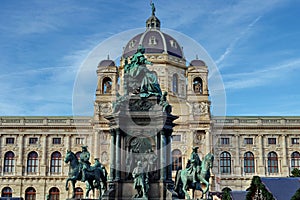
32 149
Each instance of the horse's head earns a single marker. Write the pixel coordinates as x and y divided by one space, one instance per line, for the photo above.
69 156
209 159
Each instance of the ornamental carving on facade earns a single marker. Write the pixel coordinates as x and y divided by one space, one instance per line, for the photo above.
105 108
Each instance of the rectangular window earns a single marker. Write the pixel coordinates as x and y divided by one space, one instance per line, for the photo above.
295 140
248 140
224 140
177 138
10 140
56 140
79 140
33 140
271 140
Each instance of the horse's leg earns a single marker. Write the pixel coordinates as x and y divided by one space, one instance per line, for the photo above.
184 184
205 182
73 186
89 186
67 187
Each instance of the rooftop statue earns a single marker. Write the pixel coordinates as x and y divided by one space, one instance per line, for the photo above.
153 8
192 176
95 176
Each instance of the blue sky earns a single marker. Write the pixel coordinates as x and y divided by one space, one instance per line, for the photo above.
255 45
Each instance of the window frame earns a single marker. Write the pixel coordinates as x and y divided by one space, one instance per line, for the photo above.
225 162
9 163
10 140
225 140
33 140
32 162
248 141
295 160
56 163
273 166
272 140
176 160
56 140
249 162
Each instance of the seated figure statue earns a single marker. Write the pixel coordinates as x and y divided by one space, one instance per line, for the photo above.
140 79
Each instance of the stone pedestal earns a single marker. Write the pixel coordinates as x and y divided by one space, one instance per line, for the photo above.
138 127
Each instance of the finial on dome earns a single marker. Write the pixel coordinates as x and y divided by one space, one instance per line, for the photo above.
152 22
108 57
197 57
153 8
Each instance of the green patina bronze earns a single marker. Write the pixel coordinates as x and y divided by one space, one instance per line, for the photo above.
95 175
140 79
153 8
193 175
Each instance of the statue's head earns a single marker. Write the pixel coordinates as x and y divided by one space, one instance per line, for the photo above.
84 148
195 149
141 49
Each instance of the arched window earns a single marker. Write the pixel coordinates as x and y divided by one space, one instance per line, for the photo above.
55 163
295 160
198 85
249 166
30 194
272 162
176 160
225 163
9 162
106 85
6 192
78 193
175 83
32 162
54 194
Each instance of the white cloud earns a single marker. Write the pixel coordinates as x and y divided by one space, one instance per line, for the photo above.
232 45
259 77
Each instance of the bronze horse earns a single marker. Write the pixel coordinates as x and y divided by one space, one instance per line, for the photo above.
96 176
184 179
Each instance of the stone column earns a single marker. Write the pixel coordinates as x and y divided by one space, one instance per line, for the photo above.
162 156
19 168
237 155
112 155
118 154
68 142
43 167
285 165
261 168
96 144
207 142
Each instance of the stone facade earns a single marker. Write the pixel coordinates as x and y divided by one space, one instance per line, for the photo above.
247 146
32 149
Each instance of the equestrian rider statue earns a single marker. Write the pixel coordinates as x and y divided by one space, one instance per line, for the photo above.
195 167
85 163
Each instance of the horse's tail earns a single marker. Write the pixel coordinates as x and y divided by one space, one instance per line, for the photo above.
177 180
